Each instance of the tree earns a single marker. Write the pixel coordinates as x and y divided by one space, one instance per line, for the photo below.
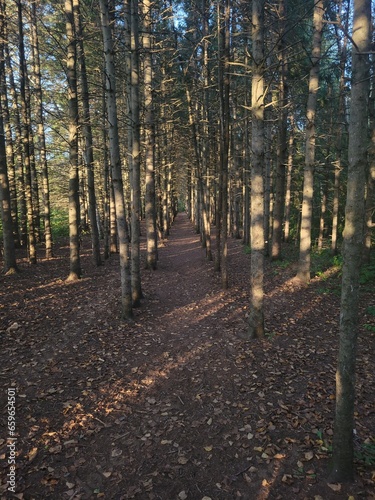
71 66
135 155
114 148
303 273
282 146
343 453
41 137
26 140
10 264
88 147
149 132
256 318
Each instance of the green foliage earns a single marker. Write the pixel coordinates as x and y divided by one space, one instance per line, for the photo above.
367 274
321 260
371 310
60 223
247 250
366 454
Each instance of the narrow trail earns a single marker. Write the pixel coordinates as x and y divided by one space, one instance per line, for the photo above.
187 291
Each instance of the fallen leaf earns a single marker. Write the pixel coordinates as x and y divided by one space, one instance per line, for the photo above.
208 448
335 487
182 495
309 455
182 460
32 454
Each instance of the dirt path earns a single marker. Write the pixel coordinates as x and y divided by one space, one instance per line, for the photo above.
175 405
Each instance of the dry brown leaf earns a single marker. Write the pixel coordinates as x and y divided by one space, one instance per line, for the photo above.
335 487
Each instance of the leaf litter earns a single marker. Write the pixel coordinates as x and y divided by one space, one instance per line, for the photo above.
176 405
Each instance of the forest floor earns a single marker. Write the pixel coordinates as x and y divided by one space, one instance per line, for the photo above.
177 405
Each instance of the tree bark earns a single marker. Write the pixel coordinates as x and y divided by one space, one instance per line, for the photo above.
9 256
114 147
343 453
74 210
41 138
304 264
257 240
282 146
150 212
26 149
88 145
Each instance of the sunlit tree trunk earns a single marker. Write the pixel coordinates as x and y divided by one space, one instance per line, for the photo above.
74 212
114 147
41 138
19 167
26 150
343 452
150 212
303 273
256 317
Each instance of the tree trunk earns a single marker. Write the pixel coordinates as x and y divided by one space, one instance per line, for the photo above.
26 150
150 212
74 211
303 273
282 146
224 83
289 182
41 138
114 147
9 257
256 318
343 453
370 188
135 159
88 146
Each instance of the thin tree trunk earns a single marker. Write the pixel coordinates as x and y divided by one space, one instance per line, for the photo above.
343 452
282 146
9 143
74 211
304 264
31 241
150 212
9 255
88 146
41 138
289 182
114 146
370 188
135 159
256 318
224 53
